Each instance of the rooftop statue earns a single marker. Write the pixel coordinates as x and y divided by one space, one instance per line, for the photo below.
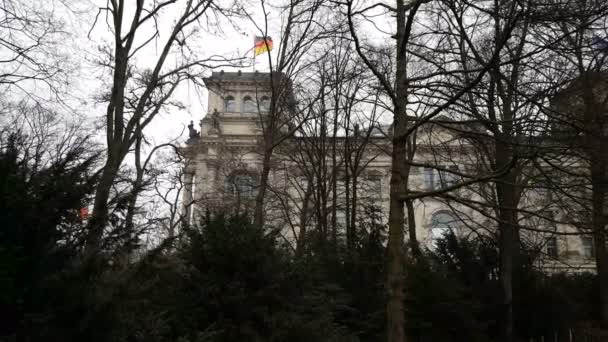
192 133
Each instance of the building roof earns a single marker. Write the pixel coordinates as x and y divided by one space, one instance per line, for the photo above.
567 118
238 76
577 85
221 79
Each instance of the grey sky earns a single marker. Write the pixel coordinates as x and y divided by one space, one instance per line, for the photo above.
228 39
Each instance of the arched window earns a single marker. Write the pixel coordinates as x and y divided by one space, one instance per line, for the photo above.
241 184
249 105
264 104
442 222
229 104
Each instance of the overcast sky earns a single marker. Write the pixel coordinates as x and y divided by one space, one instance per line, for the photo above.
85 37
229 39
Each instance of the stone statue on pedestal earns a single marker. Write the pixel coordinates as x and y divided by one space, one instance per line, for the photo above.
192 133
215 122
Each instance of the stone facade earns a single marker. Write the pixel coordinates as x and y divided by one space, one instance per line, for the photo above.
224 161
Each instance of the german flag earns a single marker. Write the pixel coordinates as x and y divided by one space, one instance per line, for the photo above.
261 45
83 213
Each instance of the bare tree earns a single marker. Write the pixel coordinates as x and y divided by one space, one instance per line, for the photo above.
136 95
578 123
331 150
511 105
402 83
299 34
31 35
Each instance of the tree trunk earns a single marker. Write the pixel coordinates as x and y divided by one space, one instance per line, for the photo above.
395 249
598 219
601 259
114 136
258 214
353 214
595 145
99 218
301 243
334 199
347 205
347 180
137 188
334 179
411 228
599 237
396 256
507 254
508 232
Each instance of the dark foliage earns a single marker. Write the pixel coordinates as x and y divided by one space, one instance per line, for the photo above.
228 280
40 226
454 295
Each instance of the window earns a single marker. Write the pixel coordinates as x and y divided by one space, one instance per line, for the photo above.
429 178
341 217
441 224
375 187
437 179
340 187
448 178
543 190
552 247
241 184
264 104
548 214
229 104
588 250
249 105
302 182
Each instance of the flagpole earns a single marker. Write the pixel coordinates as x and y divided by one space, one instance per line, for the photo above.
253 50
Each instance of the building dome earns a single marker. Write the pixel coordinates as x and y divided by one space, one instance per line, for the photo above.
567 117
